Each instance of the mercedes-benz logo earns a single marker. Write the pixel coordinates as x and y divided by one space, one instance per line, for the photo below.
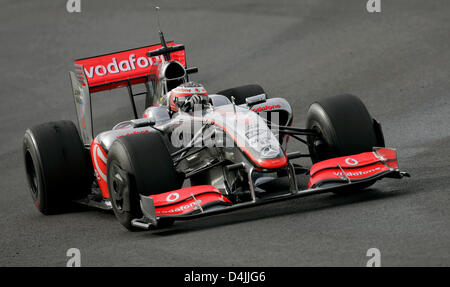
173 196
351 161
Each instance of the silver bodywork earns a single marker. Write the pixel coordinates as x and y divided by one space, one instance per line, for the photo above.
207 165
220 116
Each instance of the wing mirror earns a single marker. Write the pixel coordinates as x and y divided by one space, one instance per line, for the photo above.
255 100
145 122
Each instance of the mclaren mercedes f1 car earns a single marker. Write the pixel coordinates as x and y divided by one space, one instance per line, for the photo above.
179 164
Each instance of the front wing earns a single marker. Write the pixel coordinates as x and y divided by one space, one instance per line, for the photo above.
333 175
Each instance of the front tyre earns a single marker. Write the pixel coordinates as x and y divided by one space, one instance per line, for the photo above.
138 165
345 128
242 92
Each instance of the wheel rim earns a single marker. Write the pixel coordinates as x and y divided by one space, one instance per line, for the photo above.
319 148
118 188
31 174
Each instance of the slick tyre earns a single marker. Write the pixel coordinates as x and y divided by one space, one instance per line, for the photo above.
139 165
242 92
57 166
345 127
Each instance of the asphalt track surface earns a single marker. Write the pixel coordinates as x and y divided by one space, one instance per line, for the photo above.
397 61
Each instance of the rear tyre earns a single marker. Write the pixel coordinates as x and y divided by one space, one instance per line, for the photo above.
345 127
57 166
138 165
242 92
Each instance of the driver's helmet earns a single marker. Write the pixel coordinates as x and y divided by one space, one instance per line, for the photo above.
186 95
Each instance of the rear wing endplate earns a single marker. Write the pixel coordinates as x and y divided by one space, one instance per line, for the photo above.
83 103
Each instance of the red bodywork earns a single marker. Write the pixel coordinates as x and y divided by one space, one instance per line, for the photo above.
354 167
187 200
119 69
99 156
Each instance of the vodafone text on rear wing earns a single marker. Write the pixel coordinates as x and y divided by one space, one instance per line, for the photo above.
121 69
117 69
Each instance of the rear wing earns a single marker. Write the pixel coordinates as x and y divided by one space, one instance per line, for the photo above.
115 70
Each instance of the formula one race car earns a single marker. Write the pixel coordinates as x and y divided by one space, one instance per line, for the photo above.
194 154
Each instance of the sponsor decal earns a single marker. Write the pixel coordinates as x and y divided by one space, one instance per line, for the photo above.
186 200
357 173
173 196
266 108
182 208
133 133
189 90
125 65
351 161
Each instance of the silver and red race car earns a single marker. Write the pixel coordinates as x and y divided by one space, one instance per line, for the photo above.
164 166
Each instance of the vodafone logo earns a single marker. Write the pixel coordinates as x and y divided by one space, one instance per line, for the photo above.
173 196
351 161
358 173
266 108
122 66
115 67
